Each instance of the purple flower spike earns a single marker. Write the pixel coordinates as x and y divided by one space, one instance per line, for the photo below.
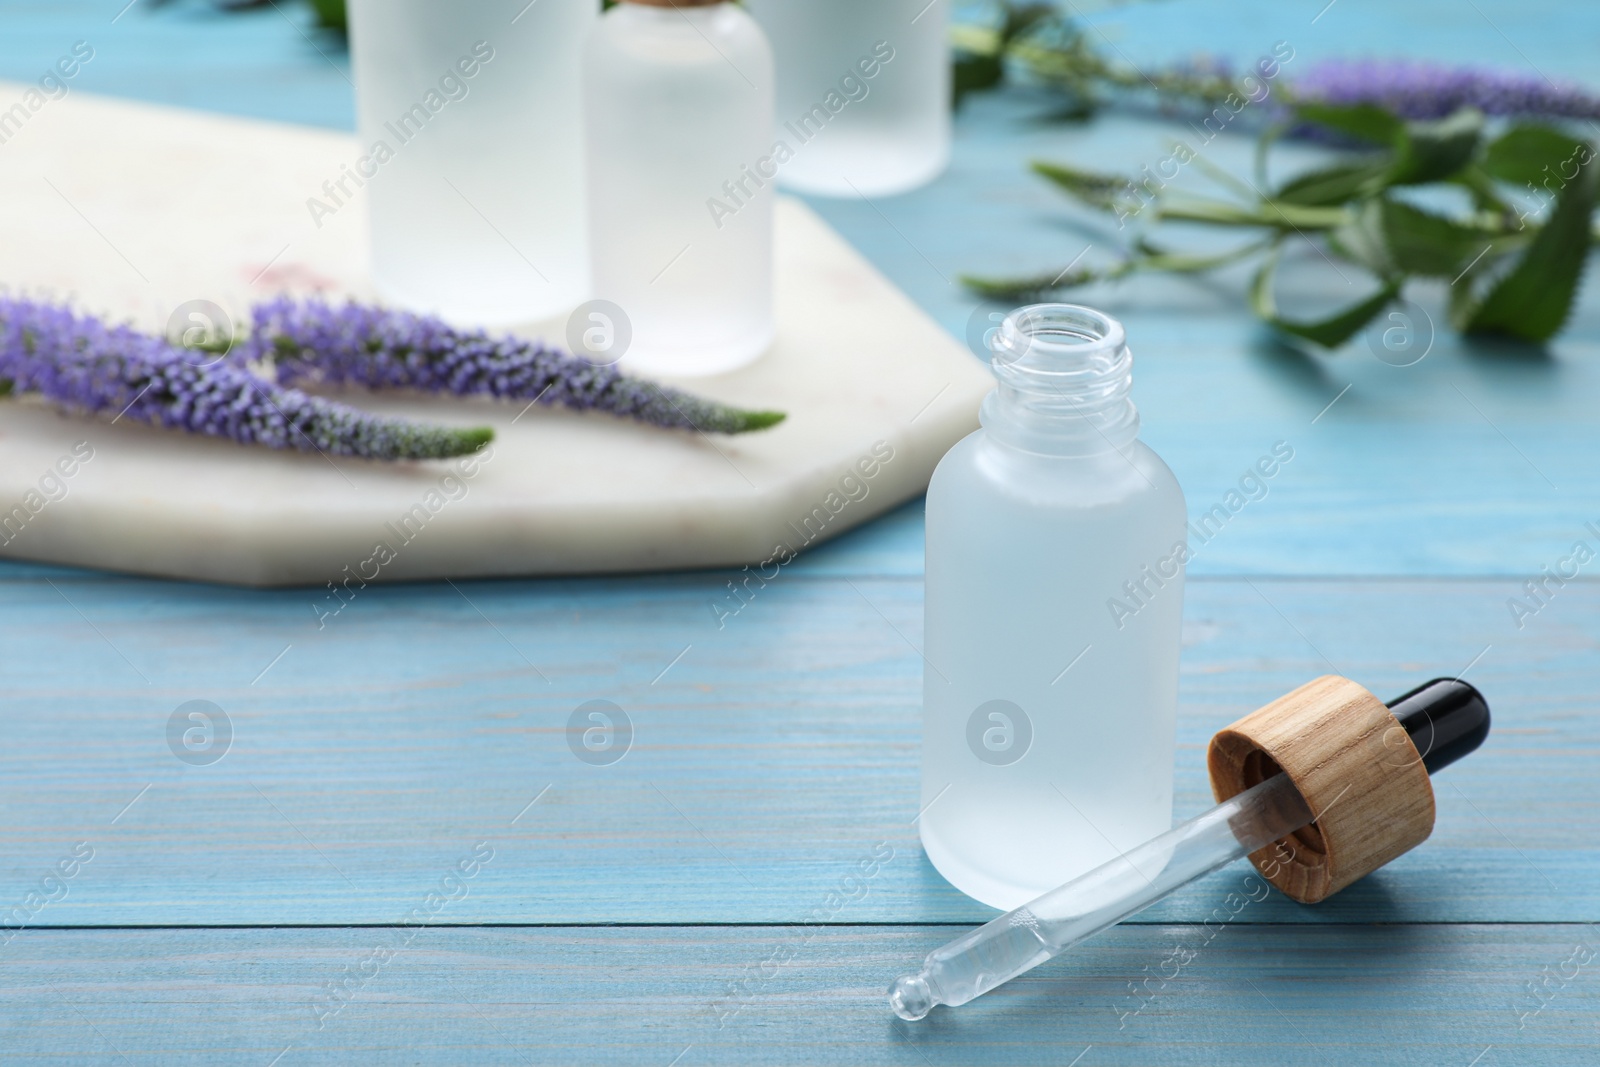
1415 90
358 344
83 364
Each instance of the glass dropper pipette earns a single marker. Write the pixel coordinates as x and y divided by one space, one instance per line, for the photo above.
1446 719
1020 940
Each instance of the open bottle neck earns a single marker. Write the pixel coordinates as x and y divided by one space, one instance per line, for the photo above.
1065 375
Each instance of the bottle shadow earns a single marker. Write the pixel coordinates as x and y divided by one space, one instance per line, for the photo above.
1291 365
1315 374
1509 352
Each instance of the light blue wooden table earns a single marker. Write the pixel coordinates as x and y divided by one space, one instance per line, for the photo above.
693 903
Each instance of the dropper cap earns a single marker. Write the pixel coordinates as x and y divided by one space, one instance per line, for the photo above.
1361 766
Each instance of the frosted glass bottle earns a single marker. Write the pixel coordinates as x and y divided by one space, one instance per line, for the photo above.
1056 544
476 194
678 116
863 92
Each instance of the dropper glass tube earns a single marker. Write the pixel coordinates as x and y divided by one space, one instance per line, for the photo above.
1020 940
1445 719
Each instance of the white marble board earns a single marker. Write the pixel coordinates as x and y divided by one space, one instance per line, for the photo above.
130 210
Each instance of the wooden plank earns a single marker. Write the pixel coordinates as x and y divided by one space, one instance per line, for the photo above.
1273 996
769 755
1501 34
265 64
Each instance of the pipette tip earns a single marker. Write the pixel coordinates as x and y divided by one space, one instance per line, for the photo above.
911 998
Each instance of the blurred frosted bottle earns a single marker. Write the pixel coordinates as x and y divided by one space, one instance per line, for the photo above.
1056 545
476 193
863 92
678 115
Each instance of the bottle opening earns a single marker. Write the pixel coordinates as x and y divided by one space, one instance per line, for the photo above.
1065 374
1062 349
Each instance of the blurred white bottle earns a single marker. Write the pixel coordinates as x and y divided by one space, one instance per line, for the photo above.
678 117
863 92
1056 546
476 193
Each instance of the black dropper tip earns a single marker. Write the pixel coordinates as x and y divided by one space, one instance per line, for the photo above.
1446 718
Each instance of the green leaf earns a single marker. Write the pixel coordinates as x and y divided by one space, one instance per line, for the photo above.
1533 301
1097 190
1362 240
331 15
1022 290
980 49
973 73
1364 122
1337 184
1419 242
741 421
974 39
1391 236
1330 332
1024 17
1532 155
1432 151
1485 197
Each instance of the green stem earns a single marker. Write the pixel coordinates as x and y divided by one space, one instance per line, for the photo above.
1268 213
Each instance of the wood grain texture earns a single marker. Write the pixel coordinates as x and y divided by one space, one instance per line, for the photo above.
1245 996
768 757
268 64
1371 804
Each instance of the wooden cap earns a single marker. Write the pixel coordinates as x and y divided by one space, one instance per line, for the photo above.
1357 769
